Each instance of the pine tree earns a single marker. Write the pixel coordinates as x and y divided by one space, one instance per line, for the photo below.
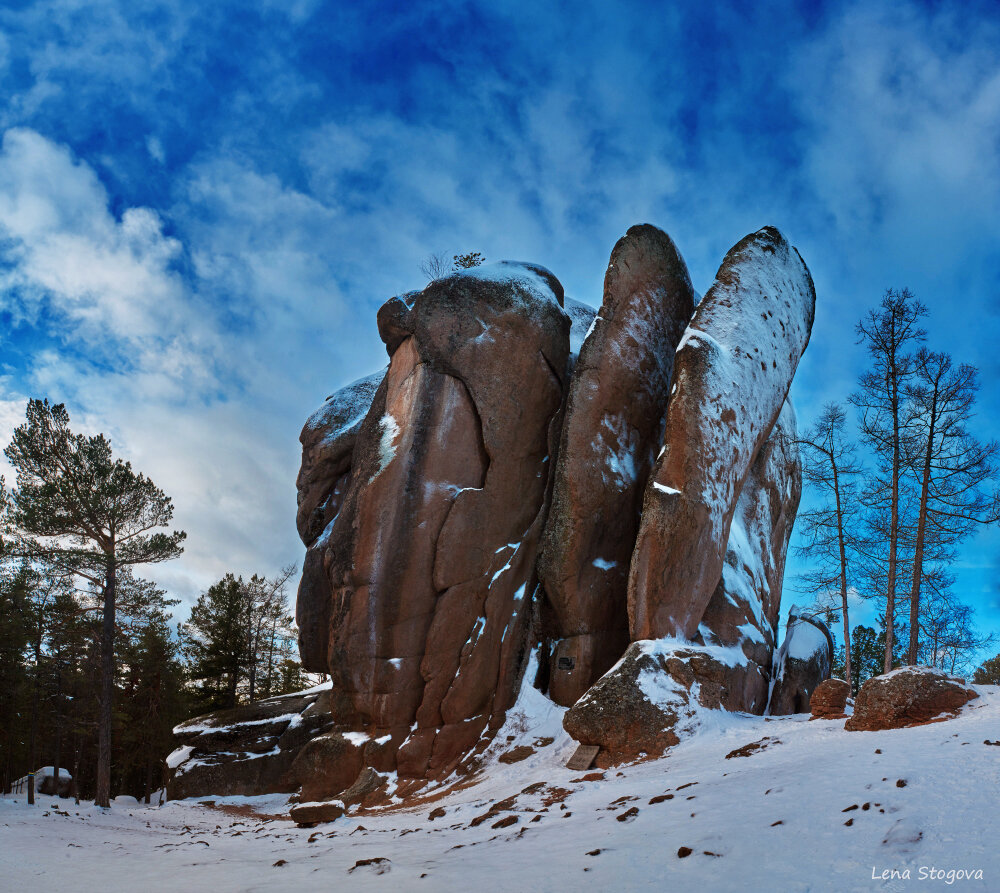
468 261
86 513
217 643
989 672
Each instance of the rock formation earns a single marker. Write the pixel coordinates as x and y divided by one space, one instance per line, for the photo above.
910 696
800 665
615 491
430 560
731 375
612 430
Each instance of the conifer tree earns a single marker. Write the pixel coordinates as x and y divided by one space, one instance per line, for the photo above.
84 512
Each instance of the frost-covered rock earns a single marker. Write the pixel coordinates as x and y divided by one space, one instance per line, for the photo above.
732 372
658 692
613 427
909 696
246 750
430 564
802 662
744 608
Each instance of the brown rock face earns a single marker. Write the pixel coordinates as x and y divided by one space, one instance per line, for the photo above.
801 664
829 701
613 426
430 561
911 696
328 439
732 372
744 608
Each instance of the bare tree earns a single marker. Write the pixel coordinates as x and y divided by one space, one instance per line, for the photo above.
950 465
436 266
888 332
831 531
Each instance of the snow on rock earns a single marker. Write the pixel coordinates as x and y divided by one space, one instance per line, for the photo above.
801 663
614 419
908 696
658 693
582 318
732 372
327 439
744 608
246 750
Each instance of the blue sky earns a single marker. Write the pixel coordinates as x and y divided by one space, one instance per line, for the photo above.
202 206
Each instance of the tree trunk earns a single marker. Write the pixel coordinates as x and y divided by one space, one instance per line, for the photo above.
890 594
918 557
35 697
105 714
58 757
843 571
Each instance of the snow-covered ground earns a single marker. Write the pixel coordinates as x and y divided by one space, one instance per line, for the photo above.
813 808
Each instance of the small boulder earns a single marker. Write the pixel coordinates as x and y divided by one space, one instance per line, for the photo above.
326 766
829 700
313 813
910 696
367 782
651 697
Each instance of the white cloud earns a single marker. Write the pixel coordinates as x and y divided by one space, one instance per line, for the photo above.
99 273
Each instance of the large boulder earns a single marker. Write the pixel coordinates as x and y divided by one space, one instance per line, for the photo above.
613 427
247 750
744 608
653 696
800 665
910 696
429 563
732 372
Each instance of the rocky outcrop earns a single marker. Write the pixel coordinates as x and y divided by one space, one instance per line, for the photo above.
801 664
829 700
328 439
247 750
430 561
613 427
743 610
732 372
911 696
516 440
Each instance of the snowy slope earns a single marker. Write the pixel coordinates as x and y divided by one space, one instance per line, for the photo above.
813 808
